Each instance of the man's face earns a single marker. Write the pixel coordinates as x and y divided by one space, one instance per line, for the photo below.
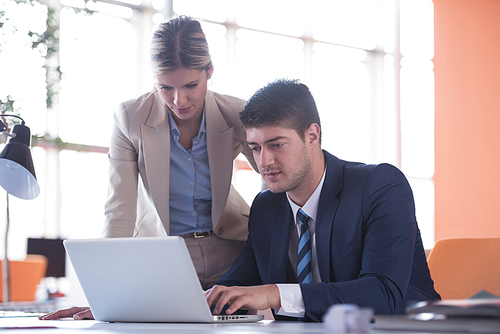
284 160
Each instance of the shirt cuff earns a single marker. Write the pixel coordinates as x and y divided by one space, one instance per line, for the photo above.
292 304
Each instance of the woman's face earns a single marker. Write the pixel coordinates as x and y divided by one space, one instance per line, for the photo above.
184 90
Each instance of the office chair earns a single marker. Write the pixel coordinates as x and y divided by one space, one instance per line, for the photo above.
25 276
463 267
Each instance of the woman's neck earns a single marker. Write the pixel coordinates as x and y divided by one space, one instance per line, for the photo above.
188 129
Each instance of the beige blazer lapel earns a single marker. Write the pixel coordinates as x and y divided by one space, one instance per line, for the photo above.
156 145
220 148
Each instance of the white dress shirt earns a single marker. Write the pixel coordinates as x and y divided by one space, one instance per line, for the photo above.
292 303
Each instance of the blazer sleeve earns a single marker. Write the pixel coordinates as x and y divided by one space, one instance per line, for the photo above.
244 271
121 205
381 261
230 108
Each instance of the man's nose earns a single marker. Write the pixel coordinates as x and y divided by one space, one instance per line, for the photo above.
266 158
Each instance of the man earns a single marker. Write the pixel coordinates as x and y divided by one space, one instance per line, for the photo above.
360 234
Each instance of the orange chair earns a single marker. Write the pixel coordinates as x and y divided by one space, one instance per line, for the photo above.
25 276
462 267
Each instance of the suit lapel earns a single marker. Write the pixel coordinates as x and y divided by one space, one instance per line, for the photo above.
327 207
220 139
156 145
278 265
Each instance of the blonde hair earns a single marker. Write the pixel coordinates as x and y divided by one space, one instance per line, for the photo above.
179 43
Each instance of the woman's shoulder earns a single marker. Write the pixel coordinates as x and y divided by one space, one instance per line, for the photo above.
223 111
139 102
224 101
145 108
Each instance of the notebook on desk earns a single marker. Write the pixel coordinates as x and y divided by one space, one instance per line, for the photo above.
142 280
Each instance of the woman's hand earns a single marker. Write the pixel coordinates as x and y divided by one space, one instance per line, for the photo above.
78 313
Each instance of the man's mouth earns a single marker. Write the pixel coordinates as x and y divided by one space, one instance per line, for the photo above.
271 175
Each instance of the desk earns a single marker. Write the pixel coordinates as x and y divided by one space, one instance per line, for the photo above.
26 325
29 324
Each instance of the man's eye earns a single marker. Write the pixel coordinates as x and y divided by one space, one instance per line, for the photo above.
255 149
278 145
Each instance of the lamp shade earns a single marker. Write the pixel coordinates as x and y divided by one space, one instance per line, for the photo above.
17 172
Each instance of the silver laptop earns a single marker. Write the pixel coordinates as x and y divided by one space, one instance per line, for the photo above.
142 280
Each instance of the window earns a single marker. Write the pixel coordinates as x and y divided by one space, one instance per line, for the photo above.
368 64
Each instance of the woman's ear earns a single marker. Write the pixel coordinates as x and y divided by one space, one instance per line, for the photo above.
210 71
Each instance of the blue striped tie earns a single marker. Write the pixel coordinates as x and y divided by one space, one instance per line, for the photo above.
304 274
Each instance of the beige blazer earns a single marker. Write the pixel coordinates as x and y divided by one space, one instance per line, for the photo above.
139 163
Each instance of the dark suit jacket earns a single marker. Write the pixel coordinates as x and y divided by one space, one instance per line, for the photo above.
368 243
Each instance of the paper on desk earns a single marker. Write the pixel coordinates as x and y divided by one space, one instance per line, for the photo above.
347 318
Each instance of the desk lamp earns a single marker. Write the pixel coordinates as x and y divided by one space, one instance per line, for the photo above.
17 176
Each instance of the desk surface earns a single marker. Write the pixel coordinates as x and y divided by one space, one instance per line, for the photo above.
21 325
28 324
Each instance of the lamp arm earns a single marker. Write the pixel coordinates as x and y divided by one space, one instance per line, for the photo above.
3 127
10 115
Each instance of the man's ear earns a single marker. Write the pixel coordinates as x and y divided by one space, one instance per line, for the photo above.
313 134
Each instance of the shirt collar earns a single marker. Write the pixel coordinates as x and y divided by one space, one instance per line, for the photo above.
174 130
311 206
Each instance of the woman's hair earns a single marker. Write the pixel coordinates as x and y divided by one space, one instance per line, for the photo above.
179 43
286 103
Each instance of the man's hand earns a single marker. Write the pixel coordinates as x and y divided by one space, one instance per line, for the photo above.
78 313
252 297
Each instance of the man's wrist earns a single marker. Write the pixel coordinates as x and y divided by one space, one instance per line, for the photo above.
275 302
291 302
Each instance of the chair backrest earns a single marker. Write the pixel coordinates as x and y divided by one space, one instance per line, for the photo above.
25 276
463 267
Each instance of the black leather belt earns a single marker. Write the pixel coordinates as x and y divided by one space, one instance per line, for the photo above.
197 235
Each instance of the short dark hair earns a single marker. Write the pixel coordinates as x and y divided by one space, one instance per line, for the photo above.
284 102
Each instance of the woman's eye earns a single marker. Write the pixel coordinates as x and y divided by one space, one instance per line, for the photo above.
192 86
165 88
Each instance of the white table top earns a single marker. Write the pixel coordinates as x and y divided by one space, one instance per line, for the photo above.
21 325
29 324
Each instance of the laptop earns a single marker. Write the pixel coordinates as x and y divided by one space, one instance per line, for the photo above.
142 280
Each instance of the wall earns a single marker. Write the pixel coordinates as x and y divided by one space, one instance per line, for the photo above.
467 123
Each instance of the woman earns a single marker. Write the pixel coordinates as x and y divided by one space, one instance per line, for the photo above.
179 142
171 158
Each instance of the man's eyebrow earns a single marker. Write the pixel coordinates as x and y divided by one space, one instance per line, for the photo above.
268 141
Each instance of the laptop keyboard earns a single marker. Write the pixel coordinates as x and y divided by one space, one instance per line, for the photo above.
27 309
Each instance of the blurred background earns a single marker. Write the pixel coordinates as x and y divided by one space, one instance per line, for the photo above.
370 64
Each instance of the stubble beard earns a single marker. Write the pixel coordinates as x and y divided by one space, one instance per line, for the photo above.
298 179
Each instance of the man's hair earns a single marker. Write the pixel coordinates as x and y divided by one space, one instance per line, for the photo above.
285 103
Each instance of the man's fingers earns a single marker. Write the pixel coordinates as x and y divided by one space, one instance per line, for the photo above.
256 297
231 297
236 303
214 295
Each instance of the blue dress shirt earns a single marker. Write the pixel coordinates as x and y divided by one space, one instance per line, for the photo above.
190 187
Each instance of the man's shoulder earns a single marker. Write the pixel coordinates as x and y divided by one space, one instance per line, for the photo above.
358 168
267 195
267 198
